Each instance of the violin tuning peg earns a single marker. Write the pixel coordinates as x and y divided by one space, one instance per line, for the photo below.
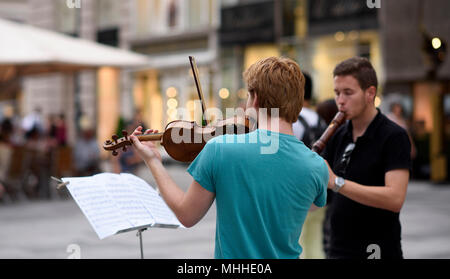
125 134
115 137
115 153
124 149
108 142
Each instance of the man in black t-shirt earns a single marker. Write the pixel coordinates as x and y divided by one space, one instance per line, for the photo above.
369 159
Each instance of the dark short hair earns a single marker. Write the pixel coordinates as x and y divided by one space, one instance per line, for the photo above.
308 87
392 105
360 68
327 110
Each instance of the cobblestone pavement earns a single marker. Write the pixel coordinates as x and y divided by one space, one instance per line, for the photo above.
45 229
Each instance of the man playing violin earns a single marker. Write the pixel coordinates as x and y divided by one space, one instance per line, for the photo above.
262 194
369 158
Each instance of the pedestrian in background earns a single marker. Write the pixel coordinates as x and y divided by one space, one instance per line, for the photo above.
397 115
86 153
309 125
327 110
308 128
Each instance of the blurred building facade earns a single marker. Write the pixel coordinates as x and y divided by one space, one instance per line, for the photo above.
169 31
415 34
317 34
248 32
225 37
15 11
100 95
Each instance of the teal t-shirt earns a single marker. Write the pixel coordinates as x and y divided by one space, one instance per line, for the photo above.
265 183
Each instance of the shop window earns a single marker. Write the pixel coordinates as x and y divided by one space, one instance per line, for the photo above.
447 105
108 37
108 13
364 49
288 17
227 3
67 18
172 103
173 13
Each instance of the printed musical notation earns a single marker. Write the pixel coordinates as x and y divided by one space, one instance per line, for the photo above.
113 203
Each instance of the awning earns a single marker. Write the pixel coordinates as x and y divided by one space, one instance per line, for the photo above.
175 60
26 50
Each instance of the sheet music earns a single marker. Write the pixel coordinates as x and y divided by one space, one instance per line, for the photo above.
95 203
115 203
151 200
126 199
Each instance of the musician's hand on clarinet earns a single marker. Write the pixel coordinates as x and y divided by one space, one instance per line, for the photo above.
331 176
147 150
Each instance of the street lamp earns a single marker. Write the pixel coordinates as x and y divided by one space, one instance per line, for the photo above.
434 51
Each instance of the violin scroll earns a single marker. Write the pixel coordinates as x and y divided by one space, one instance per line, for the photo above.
116 143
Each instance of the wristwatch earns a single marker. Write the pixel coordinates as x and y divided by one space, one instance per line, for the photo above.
338 183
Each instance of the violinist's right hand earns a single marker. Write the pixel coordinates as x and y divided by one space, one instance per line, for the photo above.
147 150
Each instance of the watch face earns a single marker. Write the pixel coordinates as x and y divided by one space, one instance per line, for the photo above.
340 181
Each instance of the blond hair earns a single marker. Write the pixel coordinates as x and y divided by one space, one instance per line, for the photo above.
278 83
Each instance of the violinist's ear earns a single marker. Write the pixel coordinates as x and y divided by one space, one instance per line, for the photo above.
251 108
254 100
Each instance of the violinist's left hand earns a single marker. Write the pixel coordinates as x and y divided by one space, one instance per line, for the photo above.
147 150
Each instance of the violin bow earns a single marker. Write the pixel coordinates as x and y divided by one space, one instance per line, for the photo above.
199 88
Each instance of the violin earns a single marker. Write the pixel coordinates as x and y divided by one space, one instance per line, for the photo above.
183 140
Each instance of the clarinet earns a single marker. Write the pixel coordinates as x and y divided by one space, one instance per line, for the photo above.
337 121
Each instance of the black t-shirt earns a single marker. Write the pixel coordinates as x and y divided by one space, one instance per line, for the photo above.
384 146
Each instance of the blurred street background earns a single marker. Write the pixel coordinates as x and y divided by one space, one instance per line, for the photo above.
73 73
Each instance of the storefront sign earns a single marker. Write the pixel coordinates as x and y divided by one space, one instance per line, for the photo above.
329 16
248 23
